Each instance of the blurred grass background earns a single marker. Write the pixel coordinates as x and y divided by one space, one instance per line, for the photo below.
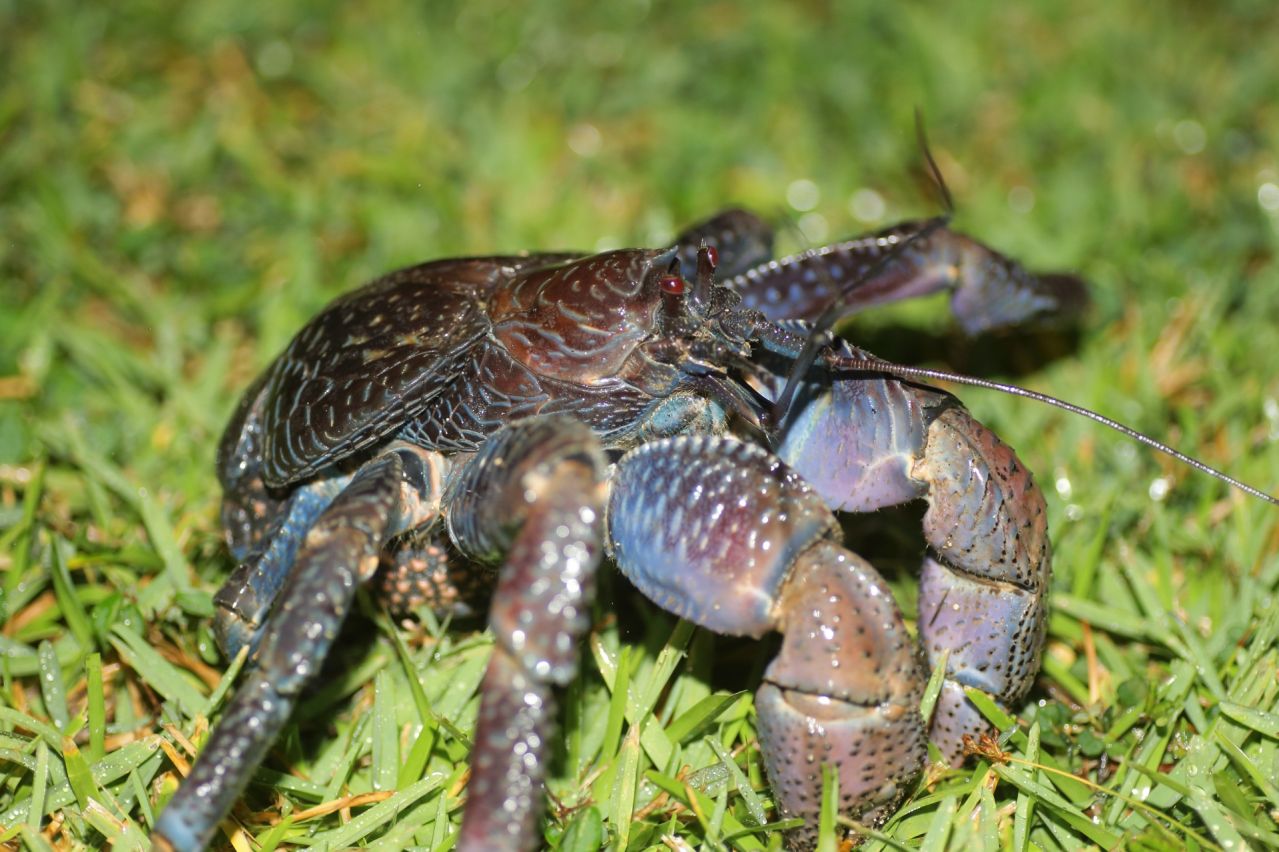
182 186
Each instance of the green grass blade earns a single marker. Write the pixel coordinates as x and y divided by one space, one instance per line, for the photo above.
627 785
111 768
940 825
386 737
1258 720
68 602
827 839
51 735
694 721
53 690
39 781
79 775
1062 809
163 676
1025 801
95 706
377 816
753 804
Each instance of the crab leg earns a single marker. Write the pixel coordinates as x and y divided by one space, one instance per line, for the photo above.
339 552
724 534
533 499
245 599
988 290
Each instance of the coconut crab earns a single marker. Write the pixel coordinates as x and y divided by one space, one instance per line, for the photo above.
684 413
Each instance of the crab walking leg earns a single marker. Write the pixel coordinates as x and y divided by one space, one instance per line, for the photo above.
533 500
988 290
726 535
985 579
245 599
340 552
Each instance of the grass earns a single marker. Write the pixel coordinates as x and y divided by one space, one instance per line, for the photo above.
181 188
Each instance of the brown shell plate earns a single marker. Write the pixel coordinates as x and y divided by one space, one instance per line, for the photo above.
374 359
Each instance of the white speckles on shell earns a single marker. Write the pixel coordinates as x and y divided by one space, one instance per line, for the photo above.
708 525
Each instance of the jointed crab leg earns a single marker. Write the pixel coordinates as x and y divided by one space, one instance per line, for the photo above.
988 290
533 499
340 551
245 599
740 238
732 538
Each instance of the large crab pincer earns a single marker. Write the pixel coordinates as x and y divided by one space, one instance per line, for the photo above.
535 414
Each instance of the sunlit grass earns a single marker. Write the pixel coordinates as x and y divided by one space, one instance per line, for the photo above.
181 188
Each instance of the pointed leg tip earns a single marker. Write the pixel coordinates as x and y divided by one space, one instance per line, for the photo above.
172 835
1069 291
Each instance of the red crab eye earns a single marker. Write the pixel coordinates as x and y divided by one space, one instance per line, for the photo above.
712 254
672 284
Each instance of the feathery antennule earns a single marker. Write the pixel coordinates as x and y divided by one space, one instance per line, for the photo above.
873 364
921 138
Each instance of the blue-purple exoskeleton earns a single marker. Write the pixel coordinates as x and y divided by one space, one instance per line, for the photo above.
493 428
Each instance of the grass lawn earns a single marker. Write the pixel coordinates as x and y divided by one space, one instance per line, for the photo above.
183 185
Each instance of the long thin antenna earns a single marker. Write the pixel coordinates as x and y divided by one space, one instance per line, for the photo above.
873 364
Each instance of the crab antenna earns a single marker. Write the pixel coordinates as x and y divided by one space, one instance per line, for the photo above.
820 334
947 201
871 363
